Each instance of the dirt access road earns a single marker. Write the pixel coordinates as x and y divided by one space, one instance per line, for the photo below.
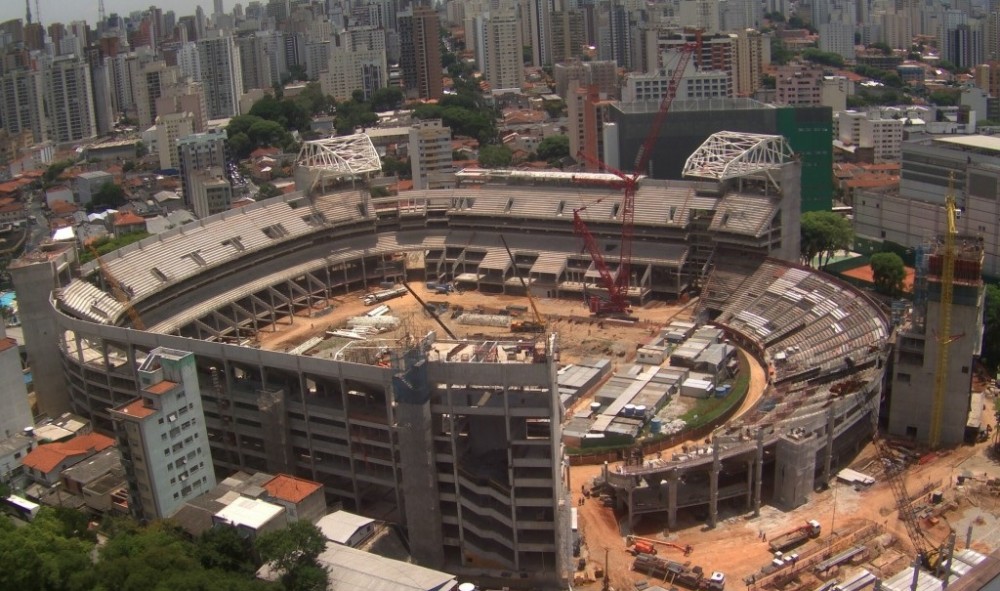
735 547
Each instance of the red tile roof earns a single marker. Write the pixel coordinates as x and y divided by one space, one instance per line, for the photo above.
161 387
128 219
136 409
291 489
46 458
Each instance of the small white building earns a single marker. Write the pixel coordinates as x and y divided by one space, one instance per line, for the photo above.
251 517
345 528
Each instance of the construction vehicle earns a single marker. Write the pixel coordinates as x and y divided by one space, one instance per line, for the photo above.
616 302
120 290
795 537
642 547
536 325
687 549
676 573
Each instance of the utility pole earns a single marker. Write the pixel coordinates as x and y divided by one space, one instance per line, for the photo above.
606 585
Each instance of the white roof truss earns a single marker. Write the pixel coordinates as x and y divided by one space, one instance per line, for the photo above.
344 156
729 154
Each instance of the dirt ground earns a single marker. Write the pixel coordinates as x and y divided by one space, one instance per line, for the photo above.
579 335
735 547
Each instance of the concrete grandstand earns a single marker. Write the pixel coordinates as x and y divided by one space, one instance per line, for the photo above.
463 438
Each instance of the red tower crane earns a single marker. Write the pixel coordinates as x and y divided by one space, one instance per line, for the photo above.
617 302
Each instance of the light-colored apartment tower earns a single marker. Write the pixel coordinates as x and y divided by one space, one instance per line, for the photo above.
154 79
753 53
70 101
430 155
222 75
501 53
162 436
799 84
197 152
21 96
211 193
364 69
15 411
170 128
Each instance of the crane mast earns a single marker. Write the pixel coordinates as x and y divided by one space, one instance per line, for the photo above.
944 319
617 286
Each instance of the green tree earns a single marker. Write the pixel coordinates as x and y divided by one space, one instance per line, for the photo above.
553 147
394 166
109 196
888 273
991 332
944 98
267 190
292 553
386 99
825 58
555 108
40 556
498 156
55 169
883 47
824 232
225 549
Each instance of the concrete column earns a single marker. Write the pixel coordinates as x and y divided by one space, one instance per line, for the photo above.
758 473
713 487
672 499
828 453
749 484
631 503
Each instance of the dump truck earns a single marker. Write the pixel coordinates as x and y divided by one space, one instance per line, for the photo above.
793 538
676 573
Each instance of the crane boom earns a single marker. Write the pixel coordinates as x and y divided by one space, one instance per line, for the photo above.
539 324
944 319
617 285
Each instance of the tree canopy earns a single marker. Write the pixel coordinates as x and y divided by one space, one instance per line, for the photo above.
246 133
292 552
109 196
823 233
825 58
498 156
888 273
553 147
991 332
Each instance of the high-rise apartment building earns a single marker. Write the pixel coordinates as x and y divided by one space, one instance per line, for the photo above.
420 48
69 100
753 53
170 128
189 61
222 74
799 84
585 107
837 38
153 81
162 437
15 410
365 70
255 62
568 35
430 155
200 151
186 97
21 102
211 192
500 57
539 19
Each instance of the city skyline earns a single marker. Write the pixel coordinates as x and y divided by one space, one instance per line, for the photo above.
65 12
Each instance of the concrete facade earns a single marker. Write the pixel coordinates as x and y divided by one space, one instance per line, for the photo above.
162 436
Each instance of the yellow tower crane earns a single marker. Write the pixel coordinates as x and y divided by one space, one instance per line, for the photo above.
116 289
943 337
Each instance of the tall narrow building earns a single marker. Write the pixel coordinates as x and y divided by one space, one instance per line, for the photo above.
162 437
430 155
69 101
420 59
500 50
21 103
222 75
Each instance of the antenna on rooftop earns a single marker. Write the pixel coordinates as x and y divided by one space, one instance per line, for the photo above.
100 11
27 10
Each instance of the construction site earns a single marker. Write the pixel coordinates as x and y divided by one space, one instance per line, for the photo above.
544 377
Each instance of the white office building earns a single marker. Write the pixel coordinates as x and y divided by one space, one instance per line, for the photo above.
430 155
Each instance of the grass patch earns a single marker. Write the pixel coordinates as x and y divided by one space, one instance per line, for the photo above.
709 409
106 245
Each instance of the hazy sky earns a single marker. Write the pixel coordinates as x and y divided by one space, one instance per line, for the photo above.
65 11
